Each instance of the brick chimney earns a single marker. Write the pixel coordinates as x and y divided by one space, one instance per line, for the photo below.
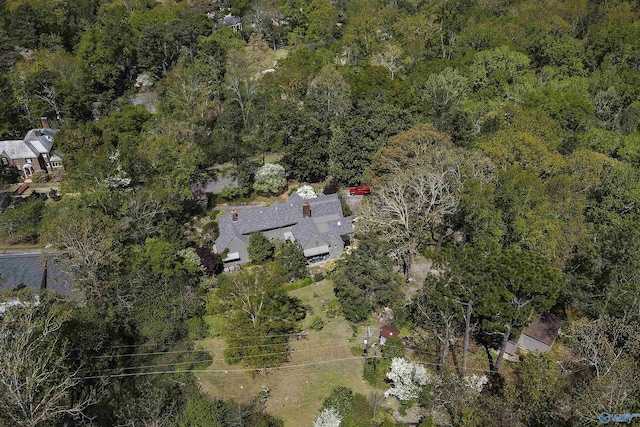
37 132
45 122
234 216
306 210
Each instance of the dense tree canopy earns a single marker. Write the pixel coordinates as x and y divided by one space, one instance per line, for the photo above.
501 141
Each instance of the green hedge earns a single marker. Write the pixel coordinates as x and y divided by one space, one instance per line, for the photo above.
298 284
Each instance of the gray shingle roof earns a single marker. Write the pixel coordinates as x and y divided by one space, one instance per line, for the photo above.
28 269
41 143
305 230
17 149
326 213
230 20
31 146
340 227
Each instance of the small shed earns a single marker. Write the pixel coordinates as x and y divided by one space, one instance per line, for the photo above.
387 332
539 336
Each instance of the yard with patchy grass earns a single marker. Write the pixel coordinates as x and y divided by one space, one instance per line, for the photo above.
319 362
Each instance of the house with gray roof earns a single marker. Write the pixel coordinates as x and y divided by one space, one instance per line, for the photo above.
33 153
233 22
538 337
35 271
316 224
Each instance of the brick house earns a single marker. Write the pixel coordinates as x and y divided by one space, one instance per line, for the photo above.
32 154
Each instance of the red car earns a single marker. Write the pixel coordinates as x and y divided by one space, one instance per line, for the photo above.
360 190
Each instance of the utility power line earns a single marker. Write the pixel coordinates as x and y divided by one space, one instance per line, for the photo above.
281 368
157 353
220 355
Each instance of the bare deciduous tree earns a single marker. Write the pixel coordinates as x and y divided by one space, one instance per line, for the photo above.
36 382
87 241
418 181
601 343
151 408
243 92
440 323
407 207
390 58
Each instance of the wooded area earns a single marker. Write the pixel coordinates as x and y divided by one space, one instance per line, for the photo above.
501 141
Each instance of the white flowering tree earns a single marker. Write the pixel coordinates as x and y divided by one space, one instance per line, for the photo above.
408 379
329 417
270 179
117 176
475 382
306 192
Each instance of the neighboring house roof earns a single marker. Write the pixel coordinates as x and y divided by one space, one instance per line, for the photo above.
545 329
326 220
36 142
539 336
17 150
40 139
27 270
389 331
230 21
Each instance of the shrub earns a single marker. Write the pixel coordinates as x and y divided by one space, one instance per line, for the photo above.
393 347
329 266
330 185
211 262
261 397
298 284
306 192
375 372
232 192
53 193
40 177
341 399
210 232
346 210
270 178
260 249
318 277
353 408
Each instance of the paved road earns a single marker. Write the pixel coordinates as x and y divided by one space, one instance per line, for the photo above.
216 185
225 207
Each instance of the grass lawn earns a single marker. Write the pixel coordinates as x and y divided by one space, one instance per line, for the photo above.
319 362
215 324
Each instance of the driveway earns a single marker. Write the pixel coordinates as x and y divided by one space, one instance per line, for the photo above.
216 185
352 201
225 207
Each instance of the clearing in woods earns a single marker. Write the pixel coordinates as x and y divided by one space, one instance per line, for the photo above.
318 363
